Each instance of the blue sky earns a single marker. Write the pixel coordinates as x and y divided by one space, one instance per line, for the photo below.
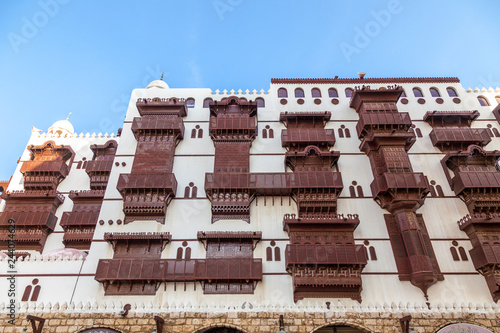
85 57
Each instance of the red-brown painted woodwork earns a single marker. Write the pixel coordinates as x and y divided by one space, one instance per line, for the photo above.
233 127
49 164
452 132
33 210
476 181
136 267
321 257
79 224
229 267
386 135
150 186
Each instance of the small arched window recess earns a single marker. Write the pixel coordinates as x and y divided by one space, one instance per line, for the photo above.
451 92
188 253
315 92
206 102
267 132
197 132
282 93
299 93
269 253
497 98
277 254
180 252
434 92
332 93
260 102
483 101
417 92
190 103
348 92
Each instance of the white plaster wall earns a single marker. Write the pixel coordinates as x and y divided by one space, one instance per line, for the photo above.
185 217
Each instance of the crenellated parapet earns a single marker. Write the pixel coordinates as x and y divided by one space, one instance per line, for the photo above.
386 137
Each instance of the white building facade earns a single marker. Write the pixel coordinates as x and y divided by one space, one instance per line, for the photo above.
342 205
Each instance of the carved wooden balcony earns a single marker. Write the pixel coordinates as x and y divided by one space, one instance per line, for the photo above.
228 126
146 196
475 180
229 269
399 186
34 216
326 270
305 119
161 106
382 121
158 125
321 222
329 255
458 138
302 137
98 171
450 118
43 175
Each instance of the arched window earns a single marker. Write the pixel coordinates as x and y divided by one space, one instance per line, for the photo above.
179 253
269 253
315 92
282 93
332 93
483 101
206 102
454 254
463 255
267 132
260 102
497 98
277 254
188 253
417 92
190 103
451 92
373 253
434 92
299 93
348 92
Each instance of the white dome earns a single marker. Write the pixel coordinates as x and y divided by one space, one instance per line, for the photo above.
157 84
61 127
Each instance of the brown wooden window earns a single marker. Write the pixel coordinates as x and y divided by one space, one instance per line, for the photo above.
282 93
299 93
348 92
190 103
260 102
451 92
417 92
483 101
315 92
434 92
332 93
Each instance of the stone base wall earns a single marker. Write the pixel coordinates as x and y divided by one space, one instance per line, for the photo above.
303 322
